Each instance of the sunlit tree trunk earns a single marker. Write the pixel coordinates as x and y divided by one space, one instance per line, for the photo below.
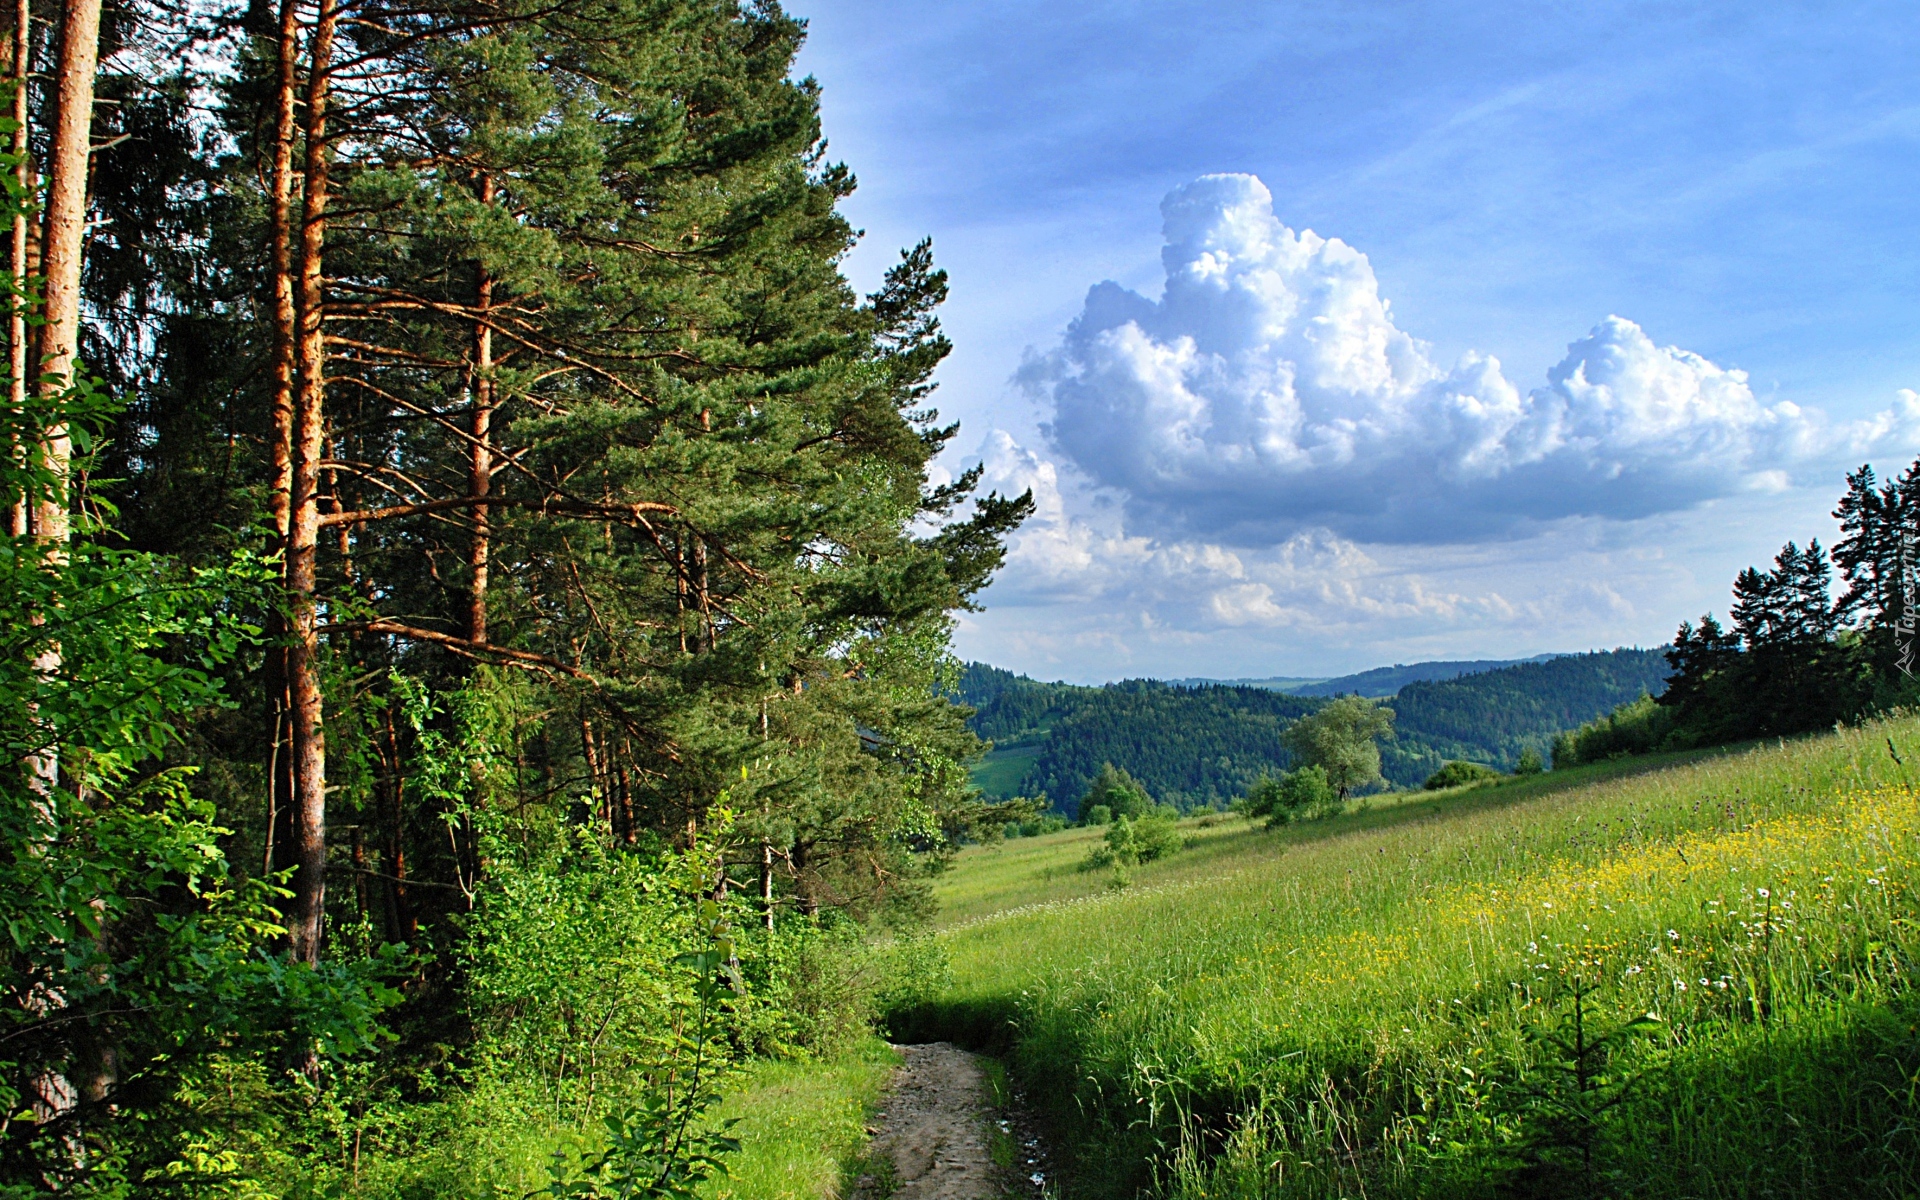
65 238
281 808
305 924
280 204
63 241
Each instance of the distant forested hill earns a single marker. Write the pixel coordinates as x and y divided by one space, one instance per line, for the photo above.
1189 746
1011 708
1385 681
1492 716
1196 745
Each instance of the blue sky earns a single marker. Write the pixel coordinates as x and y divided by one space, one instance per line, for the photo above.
1737 182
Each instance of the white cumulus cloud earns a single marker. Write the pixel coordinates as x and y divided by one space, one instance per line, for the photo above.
1071 555
1269 391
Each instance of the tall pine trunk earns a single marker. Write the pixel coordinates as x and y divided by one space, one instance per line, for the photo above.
67 161
280 204
309 740
66 227
281 840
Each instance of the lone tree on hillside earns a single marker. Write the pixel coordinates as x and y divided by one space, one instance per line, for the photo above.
1342 739
1118 792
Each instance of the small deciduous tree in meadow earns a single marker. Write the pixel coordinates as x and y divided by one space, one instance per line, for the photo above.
1342 739
1118 792
1130 842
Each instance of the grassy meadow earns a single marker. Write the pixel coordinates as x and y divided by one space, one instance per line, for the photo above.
1674 978
1000 772
992 879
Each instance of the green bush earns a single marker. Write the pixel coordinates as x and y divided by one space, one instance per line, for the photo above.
1050 823
1639 727
916 970
1129 843
1157 836
818 986
1299 795
1530 763
1460 774
1098 814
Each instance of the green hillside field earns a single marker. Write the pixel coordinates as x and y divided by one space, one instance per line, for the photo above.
1005 768
1677 977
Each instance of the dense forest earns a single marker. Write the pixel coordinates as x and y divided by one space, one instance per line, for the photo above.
1495 716
1205 745
471 558
1191 747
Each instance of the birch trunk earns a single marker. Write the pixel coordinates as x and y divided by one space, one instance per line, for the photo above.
480 468
19 262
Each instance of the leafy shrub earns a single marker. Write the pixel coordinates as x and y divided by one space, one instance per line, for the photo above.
1050 823
1098 814
1460 774
1129 843
667 1145
821 988
570 961
1299 795
917 971
1157 836
1639 727
1530 763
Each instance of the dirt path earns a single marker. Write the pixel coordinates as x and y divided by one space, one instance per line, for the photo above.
936 1129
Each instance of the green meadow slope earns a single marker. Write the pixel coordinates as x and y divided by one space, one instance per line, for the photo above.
1385 1003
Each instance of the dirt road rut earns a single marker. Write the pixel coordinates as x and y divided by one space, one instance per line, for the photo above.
934 1129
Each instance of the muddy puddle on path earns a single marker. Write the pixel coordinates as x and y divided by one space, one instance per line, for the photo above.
950 1129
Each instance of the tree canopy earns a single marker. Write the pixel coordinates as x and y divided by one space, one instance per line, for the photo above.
1117 792
1343 740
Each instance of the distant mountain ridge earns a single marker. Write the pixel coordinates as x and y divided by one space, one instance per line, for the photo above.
1277 683
1198 743
1386 681
1376 684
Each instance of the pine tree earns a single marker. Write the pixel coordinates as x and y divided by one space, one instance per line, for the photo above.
575 388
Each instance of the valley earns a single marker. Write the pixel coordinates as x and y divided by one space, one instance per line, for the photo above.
1198 744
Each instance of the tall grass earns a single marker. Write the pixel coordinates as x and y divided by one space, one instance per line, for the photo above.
801 1124
1369 1010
